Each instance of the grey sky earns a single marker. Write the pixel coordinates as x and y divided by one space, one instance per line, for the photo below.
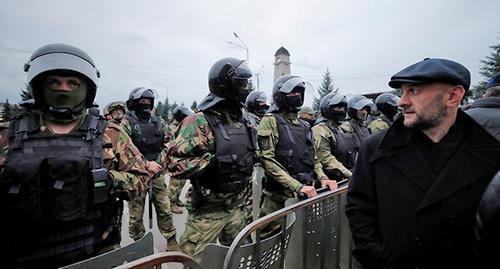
170 45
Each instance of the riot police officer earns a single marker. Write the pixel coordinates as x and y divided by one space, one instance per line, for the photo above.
387 105
215 149
256 105
175 185
115 111
358 109
62 177
150 135
335 143
286 150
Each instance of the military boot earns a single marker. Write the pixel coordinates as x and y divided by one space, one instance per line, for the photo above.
172 244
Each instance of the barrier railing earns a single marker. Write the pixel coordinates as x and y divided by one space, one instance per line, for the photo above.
320 239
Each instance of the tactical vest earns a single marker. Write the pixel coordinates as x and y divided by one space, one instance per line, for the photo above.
234 156
147 136
362 132
55 192
294 152
346 148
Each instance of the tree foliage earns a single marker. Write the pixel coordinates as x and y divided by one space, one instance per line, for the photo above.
490 67
327 86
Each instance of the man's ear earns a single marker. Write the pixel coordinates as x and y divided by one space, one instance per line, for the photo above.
455 95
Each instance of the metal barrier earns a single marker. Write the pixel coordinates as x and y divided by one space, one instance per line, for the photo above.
322 238
140 248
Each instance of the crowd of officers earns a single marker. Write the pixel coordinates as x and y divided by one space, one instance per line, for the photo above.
66 170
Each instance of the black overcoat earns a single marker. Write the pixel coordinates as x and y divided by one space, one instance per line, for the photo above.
403 215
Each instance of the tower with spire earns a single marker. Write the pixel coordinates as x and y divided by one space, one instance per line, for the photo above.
281 63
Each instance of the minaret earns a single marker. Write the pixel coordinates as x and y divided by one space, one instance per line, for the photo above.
281 63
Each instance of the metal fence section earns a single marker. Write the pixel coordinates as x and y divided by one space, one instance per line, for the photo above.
322 237
141 248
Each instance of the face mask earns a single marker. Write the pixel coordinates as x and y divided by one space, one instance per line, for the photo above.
310 121
361 115
143 111
293 103
262 110
65 106
338 115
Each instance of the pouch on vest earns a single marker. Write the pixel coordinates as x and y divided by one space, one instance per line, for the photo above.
102 185
68 188
20 191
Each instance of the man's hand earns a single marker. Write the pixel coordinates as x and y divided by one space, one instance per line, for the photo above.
153 167
310 191
332 184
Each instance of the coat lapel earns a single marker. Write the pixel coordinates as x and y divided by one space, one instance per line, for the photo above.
477 156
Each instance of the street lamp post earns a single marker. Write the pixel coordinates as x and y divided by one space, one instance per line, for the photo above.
243 46
258 77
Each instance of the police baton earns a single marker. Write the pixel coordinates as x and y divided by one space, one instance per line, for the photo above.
303 195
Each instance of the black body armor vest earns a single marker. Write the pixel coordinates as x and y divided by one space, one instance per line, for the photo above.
148 136
294 152
55 193
234 156
362 132
347 147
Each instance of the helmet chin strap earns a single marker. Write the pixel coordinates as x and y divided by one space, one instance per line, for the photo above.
66 114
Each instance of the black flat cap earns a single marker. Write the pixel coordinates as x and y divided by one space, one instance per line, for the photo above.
432 70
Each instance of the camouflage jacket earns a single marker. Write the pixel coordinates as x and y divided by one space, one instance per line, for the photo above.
192 149
378 124
268 137
323 139
122 159
166 130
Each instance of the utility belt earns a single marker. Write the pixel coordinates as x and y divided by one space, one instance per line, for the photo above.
203 196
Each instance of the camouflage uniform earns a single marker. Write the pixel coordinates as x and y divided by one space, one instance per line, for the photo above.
221 215
160 198
175 185
268 138
324 138
378 124
4 140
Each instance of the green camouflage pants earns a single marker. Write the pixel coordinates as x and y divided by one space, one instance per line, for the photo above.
174 189
270 203
162 208
205 228
247 210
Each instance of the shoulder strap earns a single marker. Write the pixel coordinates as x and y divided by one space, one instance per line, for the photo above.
283 123
215 122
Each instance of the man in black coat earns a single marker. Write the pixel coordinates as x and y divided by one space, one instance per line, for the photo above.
416 186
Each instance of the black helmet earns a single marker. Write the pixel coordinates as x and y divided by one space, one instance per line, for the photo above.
284 85
254 101
387 103
180 112
139 93
226 77
61 57
358 102
327 102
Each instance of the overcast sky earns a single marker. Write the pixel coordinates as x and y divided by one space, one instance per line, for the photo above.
170 45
